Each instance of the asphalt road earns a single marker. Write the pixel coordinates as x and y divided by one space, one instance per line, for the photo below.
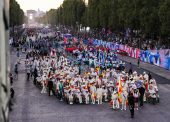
32 106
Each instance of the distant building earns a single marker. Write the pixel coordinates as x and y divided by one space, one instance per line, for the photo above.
40 13
31 14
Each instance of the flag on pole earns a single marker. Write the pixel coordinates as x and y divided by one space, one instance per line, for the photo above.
120 89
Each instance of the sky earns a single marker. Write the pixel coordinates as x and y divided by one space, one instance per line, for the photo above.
43 5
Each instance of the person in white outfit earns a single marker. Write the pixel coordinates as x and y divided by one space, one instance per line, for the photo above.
44 90
70 97
87 97
93 93
79 97
99 82
99 95
146 77
115 100
124 99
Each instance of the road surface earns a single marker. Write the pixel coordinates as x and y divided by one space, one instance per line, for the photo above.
32 106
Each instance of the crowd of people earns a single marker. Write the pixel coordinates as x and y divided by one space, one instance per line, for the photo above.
132 38
88 76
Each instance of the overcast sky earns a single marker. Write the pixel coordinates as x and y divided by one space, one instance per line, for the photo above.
43 5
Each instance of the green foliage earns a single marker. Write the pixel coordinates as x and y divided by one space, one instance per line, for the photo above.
164 15
52 16
16 14
149 16
70 12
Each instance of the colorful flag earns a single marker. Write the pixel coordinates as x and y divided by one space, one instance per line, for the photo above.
120 89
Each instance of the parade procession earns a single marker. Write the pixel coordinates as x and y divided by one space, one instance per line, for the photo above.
85 61
84 73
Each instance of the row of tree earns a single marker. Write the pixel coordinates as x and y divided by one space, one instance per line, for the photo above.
17 16
70 12
149 16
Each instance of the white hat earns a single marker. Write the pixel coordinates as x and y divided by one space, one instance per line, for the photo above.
134 72
123 72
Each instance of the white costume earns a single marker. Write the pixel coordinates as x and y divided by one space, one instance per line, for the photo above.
105 92
99 95
93 92
124 99
70 98
80 98
99 82
115 100
44 90
87 97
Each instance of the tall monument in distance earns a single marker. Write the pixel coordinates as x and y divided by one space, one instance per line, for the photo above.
31 16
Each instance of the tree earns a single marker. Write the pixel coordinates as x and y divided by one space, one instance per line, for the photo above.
164 15
104 12
52 16
70 12
16 14
149 18
113 21
93 14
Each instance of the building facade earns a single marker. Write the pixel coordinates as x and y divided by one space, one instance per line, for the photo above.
31 16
